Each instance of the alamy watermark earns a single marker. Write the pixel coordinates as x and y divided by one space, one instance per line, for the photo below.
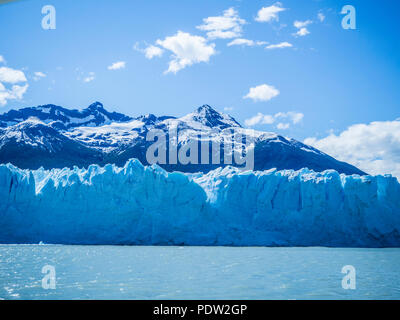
228 147
349 280
49 20
49 280
349 20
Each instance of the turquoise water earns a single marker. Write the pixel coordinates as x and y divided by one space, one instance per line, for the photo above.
117 272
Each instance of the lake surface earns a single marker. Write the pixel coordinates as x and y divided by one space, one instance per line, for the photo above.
131 272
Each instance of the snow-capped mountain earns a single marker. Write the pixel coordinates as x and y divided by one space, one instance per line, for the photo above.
57 137
210 118
32 144
63 119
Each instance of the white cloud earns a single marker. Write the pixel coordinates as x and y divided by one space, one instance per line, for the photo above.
262 92
279 45
302 32
259 119
4 96
187 50
245 42
301 26
227 26
90 77
15 93
283 126
117 65
321 17
152 51
373 147
38 75
19 91
2 59
268 14
11 75
228 108
294 117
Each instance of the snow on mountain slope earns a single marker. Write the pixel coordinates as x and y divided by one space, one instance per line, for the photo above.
147 205
124 138
62 118
37 144
32 132
210 118
107 137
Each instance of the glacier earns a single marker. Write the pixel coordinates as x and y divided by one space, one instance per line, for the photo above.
146 205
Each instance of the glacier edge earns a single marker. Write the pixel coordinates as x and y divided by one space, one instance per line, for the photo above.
138 205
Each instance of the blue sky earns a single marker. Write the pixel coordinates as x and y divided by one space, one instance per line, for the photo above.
332 77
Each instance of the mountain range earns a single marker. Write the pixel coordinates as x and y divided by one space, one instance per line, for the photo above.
51 136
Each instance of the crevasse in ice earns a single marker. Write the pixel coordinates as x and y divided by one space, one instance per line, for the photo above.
149 206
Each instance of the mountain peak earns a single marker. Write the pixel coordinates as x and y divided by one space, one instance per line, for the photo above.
212 118
96 106
53 136
205 108
148 119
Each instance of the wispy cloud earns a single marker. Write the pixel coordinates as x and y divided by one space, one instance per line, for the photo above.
284 119
302 24
90 77
279 45
2 60
246 42
302 28
271 13
117 65
259 118
283 126
294 117
262 92
321 17
227 26
302 32
38 75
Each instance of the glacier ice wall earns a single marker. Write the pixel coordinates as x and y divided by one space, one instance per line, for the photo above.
149 206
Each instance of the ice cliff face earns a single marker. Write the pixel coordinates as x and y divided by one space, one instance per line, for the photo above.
147 205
